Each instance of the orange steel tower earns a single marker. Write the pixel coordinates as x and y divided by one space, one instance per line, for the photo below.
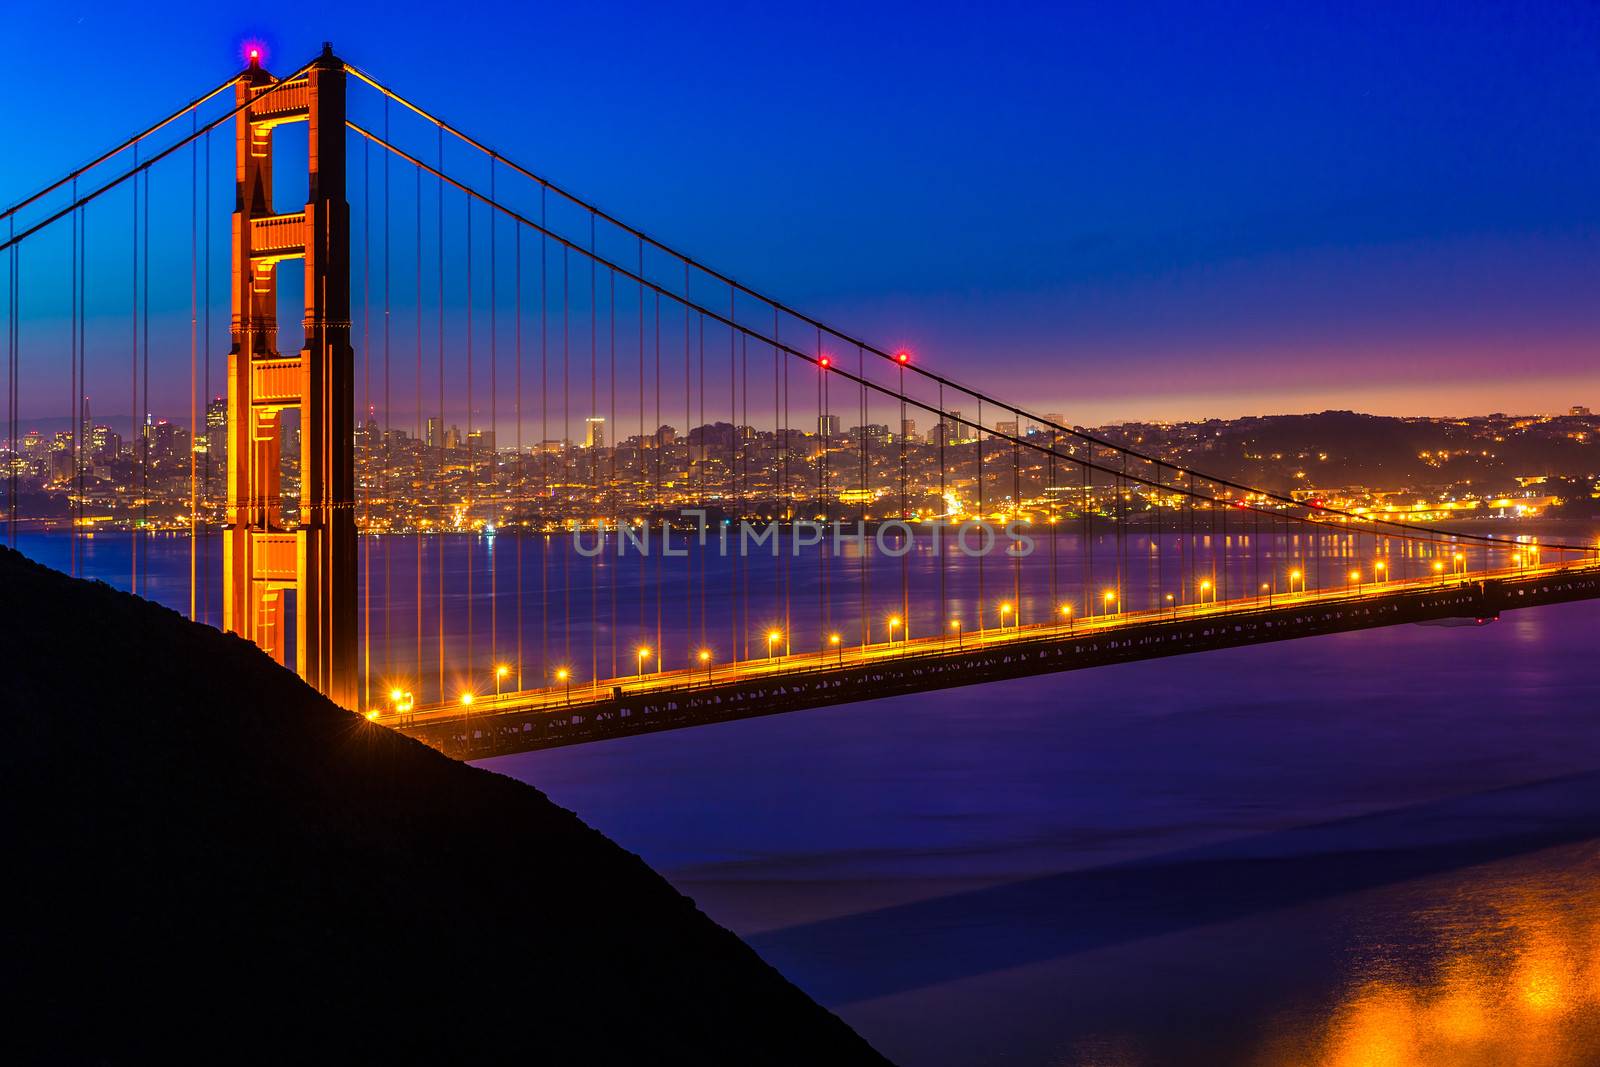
265 557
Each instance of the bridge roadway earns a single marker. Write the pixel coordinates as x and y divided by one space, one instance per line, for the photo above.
557 715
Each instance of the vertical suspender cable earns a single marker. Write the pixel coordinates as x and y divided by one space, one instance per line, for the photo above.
566 450
144 340
470 663
366 440
421 426
74 407
386 494
492 439
522 510
133 350
441 488
611 461
194 375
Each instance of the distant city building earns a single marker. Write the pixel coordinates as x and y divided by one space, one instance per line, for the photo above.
594 432
908 429
872 431
217 429
481 441
1577 409
1006 428
828 425
433 437
104 443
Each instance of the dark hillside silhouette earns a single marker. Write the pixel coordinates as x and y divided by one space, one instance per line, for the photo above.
207 860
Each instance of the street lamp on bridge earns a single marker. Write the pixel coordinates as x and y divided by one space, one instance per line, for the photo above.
564 676
955 626
1297 575
500 673
643 656
837 642
773 637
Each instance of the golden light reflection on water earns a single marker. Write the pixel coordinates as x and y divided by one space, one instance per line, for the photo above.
1510 979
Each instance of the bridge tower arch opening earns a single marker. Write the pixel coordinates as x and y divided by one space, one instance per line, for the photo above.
269 563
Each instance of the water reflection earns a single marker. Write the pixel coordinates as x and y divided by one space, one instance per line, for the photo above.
1512 977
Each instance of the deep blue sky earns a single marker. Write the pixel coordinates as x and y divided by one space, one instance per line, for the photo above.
1180 211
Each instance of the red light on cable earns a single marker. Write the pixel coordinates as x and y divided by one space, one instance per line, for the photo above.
824 362
902 356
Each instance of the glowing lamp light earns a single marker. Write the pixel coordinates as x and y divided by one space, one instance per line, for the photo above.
562 674
825 362
255 54
902 356
833 639
466 700
395 695
705 656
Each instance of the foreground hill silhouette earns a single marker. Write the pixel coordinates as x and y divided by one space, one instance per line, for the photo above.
207 859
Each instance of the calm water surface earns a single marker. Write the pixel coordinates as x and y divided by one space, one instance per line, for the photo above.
1379 848
1375 848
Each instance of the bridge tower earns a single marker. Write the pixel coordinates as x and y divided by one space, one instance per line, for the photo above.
265 557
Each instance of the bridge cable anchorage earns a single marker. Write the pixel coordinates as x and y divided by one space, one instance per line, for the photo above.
1413 532
848 338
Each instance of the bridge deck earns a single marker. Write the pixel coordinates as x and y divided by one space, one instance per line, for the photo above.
551 717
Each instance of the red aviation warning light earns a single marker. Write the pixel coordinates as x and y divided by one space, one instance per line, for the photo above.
902 356
255 55
824 362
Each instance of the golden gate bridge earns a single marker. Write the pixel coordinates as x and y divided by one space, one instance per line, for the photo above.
544 576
